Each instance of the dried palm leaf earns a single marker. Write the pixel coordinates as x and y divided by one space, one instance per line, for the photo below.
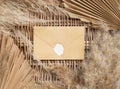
95 11
15 72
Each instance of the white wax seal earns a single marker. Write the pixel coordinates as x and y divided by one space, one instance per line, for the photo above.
59 49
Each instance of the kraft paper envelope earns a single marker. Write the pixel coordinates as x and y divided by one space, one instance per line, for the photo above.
69 40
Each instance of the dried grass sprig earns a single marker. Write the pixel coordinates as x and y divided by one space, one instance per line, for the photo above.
17 12
69 78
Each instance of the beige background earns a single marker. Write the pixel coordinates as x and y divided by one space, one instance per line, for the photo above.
72 39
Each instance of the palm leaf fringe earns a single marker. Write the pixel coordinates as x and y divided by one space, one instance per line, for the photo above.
15 72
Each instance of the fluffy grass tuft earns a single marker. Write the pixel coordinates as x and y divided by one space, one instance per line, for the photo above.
102 69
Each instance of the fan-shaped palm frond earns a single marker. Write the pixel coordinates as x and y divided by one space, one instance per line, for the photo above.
15 72
96 11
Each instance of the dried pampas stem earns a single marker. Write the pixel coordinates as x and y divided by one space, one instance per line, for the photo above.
67 76
17 12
